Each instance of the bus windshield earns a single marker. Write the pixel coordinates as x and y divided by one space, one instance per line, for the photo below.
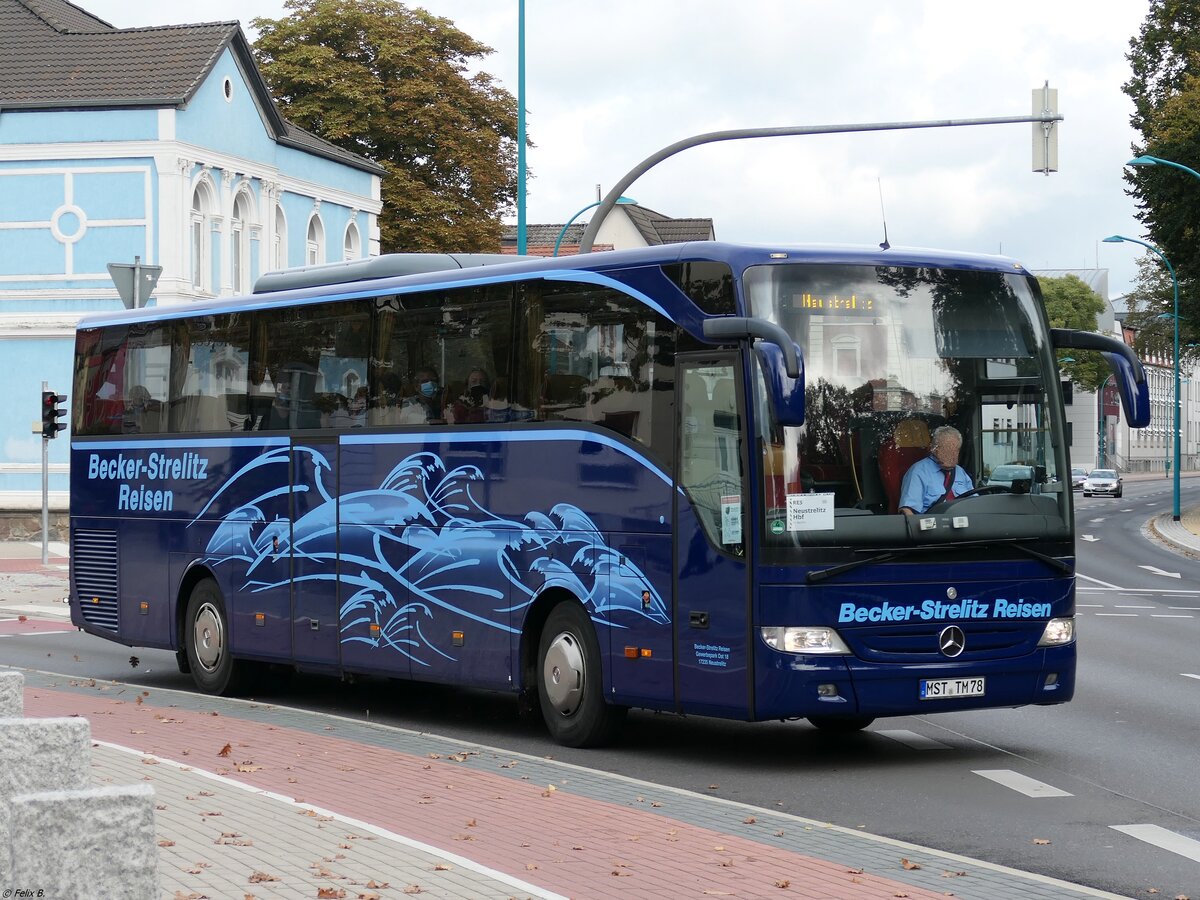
891 354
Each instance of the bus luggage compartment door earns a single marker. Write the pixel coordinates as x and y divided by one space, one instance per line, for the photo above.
315 624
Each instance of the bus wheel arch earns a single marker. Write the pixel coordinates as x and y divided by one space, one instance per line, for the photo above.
569 675
206 636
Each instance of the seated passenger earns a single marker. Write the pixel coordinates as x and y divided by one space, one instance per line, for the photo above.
938 476
472 405
426 404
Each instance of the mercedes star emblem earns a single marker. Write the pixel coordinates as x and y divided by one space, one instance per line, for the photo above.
952 641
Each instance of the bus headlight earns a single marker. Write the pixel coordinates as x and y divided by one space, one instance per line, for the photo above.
801 639
1058 631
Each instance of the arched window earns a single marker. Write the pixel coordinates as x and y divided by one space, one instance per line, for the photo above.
203 202
240 247
351 246
315 250
279 254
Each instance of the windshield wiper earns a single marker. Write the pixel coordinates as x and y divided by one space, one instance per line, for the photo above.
823 574
1051 561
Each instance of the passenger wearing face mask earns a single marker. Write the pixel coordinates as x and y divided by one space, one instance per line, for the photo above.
426 404
471 406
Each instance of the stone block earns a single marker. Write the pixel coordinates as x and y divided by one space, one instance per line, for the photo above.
12 695
98 842
39 755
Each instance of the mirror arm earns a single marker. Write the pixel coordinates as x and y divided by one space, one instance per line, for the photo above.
736 328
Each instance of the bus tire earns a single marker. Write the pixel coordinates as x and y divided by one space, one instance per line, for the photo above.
571 681
840 724
206 638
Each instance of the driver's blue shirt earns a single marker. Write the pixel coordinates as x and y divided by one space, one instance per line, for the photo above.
925 482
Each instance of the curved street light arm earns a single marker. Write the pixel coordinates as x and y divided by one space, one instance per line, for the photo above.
610 199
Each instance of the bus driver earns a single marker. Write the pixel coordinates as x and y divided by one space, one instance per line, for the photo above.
938 476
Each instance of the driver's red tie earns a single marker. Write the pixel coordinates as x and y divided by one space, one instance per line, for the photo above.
949 484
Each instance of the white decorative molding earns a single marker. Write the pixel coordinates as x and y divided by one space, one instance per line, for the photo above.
33 468
40 325
133 149
15 501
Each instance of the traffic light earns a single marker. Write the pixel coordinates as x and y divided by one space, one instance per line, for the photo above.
52 411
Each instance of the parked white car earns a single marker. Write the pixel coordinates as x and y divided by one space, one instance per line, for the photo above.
1078 477
1103 481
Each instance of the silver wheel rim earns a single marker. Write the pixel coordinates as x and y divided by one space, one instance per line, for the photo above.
209 637
563 674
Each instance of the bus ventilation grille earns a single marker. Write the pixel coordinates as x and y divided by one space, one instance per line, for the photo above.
94 562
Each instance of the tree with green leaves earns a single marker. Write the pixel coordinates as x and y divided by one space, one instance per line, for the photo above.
1070 303
1165 88
391 83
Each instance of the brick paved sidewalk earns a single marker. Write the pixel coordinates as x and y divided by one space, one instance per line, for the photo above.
326 805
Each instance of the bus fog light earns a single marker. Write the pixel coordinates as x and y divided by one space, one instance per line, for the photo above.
1051 680
801 639
827 690
1058 631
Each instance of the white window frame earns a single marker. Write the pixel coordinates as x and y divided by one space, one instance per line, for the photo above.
204 200
351 242
314 244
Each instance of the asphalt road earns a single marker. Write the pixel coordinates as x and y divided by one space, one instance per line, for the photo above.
1101 791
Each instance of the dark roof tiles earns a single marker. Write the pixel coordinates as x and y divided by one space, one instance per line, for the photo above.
54 55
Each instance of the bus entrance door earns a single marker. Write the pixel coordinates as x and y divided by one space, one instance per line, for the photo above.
315 625
712 607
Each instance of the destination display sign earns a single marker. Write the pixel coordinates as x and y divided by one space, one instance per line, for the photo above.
833 302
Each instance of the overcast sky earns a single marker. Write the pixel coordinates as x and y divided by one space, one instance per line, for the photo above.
609 84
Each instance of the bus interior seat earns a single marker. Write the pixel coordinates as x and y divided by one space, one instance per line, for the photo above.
907 444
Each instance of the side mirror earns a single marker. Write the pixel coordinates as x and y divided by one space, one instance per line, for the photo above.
786 393
1130 376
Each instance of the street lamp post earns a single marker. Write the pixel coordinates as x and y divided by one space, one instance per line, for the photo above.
1116 239
623 201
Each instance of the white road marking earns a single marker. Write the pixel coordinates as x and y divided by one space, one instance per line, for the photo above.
1157 571
1022 784
1165 616
1119 606
914 740
1090 538
1129 509
1192 608
1161 837
1119 615
1098 581
1090 605
1101 519
1190 675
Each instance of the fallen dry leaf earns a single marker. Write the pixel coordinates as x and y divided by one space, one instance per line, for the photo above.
260 877
1041 841
909 866
328 893
749 820
165 843
226 750
783 883
414 889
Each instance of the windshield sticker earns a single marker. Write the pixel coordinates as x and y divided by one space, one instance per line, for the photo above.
810 512
936 609
731 520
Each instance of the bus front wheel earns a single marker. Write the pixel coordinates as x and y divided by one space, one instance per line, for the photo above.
840 724
570 681
213 668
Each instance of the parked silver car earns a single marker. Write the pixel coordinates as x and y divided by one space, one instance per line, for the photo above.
1078 477
1103 481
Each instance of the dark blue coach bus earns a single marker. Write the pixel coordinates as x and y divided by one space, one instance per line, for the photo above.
664 478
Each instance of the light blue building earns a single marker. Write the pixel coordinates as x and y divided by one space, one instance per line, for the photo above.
158 143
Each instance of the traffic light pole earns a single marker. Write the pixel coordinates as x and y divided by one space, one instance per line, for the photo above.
45 492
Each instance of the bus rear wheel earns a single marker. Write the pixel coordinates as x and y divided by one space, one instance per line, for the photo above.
206 637
571 683
840 724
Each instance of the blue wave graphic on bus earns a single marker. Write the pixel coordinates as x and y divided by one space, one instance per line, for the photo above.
422 543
